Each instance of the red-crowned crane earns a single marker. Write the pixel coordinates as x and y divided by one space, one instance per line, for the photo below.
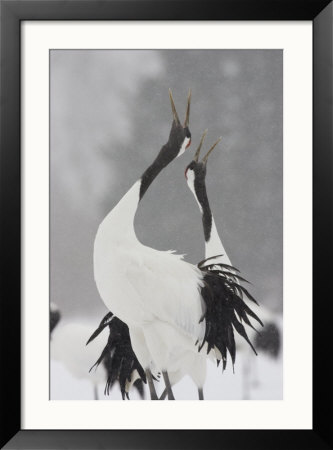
268 341
215 254
117 250
67 347
216 257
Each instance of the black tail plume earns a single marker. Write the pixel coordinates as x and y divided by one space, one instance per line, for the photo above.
225 309
118 356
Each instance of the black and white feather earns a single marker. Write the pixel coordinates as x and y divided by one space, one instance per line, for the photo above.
222 291
226 311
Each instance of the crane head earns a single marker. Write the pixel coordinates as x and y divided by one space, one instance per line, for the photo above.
179 140
180 135
195 172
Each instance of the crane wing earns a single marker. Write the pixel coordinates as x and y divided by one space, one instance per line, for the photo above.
169 289
226 311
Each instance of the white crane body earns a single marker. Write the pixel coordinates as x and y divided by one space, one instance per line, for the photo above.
155 293
166 316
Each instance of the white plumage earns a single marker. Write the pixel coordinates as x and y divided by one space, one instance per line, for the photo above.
155 293
215 252
162 298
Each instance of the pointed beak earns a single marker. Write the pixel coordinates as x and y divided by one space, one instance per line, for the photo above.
187 115
174 112
204 159
197 153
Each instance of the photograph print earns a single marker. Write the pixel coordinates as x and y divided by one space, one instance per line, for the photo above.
166 225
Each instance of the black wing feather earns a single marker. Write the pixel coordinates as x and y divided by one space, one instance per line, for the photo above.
226 310
118 356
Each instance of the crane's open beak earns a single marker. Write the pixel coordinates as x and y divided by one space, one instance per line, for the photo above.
204 159
197 153
187 116
174 111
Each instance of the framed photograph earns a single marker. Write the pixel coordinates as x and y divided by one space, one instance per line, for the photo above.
129 130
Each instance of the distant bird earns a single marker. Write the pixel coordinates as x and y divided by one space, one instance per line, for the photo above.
68 347
54 316
168 304
268 343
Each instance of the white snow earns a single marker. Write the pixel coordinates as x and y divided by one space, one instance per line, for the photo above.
218 386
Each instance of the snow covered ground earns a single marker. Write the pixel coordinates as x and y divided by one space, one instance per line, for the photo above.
263 383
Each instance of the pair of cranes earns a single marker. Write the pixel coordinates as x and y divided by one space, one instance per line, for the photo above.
173 314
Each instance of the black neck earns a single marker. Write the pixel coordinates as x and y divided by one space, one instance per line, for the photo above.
201 193
163 159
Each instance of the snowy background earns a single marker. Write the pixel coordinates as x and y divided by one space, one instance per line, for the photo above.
110 115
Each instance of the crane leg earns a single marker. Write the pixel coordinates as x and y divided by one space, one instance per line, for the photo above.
164 394
95 392
152 390
168 386
255 377
246 383
200 393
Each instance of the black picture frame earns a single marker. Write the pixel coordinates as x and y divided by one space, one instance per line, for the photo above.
12 13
